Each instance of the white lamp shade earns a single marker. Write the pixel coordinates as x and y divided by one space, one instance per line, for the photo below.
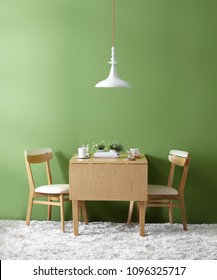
113 80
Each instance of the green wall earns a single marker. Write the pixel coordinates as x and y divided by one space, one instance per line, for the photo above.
53 52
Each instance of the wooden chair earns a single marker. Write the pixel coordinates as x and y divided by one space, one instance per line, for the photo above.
169 196
56 194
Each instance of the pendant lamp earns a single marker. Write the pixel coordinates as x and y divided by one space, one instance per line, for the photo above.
113 80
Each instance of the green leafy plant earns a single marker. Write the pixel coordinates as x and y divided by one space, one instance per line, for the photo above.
118 147
99 146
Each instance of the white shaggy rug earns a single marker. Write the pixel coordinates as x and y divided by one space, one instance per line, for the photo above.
44 240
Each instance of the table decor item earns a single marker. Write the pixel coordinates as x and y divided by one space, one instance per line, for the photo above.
135 151
99 147
82 152
116 147
106 155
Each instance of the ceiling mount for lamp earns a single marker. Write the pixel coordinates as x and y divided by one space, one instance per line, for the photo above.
113 80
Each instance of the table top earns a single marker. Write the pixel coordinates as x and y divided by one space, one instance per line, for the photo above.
122 159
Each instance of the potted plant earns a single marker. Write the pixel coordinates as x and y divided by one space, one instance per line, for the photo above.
99 147
116 147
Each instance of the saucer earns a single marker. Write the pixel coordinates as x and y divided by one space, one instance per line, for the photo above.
131 158
87 156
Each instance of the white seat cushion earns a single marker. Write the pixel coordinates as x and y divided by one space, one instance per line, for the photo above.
53 189
179 153
161 190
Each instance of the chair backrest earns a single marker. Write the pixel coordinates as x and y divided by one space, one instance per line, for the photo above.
37 156
178 158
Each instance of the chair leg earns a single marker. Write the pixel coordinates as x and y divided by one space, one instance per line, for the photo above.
84 212
62 213
29 209
137 211
130 212
171 212
49 209
79 210
183 214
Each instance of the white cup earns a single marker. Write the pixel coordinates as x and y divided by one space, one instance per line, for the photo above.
82 152
134 151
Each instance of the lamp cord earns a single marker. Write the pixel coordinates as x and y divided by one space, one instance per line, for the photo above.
113 23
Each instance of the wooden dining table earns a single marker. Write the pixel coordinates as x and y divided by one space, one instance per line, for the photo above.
108 179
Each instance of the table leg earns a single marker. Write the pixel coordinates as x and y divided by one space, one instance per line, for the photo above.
142 211
75 216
